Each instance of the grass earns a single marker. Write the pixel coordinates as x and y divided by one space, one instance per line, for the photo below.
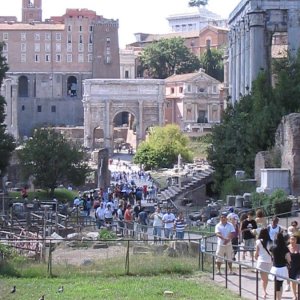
114 287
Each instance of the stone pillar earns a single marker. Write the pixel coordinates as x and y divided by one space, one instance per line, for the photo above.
160 113
232 65
242 58
107 128
247 55
88 132
258 52
237 62
293 31
140 130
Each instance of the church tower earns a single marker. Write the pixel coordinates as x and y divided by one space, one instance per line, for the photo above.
31 11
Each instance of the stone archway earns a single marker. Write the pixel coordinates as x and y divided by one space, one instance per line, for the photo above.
103 99
253 24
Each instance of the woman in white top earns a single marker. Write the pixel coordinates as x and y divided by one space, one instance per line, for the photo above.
263 257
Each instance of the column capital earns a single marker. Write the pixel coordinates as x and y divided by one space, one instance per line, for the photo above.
256 18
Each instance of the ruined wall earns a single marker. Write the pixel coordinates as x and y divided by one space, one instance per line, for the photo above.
288 139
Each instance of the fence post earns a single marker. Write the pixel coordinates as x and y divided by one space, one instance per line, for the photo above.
256 284
127 259
240 279
50 260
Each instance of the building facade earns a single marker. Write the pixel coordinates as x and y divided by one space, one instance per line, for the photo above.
48 61
194 101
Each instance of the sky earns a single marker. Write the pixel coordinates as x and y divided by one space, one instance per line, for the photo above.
147 16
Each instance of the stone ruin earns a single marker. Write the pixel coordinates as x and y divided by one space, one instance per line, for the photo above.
287 144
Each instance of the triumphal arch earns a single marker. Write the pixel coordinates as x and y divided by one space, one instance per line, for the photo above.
253 24
104 99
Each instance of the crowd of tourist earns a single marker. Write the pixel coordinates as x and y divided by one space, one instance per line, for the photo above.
276 249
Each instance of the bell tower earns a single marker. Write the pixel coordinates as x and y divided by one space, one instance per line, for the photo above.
31 11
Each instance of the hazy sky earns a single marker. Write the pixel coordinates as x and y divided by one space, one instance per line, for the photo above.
147 16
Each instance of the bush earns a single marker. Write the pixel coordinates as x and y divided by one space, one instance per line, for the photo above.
233 186
105 234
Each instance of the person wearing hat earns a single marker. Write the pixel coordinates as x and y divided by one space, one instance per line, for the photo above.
224 232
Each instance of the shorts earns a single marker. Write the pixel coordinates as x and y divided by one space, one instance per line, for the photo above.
224 251
249 244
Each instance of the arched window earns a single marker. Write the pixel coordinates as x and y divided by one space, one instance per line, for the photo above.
23 86
72 86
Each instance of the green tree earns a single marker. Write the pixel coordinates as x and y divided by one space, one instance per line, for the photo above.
162 147
7 142
212 62
250 126
166 57
51 160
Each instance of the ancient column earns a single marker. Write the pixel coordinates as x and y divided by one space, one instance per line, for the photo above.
242 58
293 31
106 128
237 61
140 128
247 55
258 52
232 54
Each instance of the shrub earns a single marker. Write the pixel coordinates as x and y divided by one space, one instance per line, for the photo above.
105 234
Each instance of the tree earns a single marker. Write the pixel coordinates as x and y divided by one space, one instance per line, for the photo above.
51 160
7 142
166 57
162 148
212 62
250 125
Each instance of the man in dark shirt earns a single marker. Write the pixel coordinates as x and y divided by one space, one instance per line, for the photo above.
248 232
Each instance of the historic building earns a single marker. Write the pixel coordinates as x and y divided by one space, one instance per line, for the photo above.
48 61
194 101
257 30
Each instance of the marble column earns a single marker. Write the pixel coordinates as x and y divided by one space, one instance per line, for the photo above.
107 126
242 58
237 62
232 66
247 56
258 51
140 131
293 31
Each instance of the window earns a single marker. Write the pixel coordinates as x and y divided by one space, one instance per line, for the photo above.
23 57
91 28
5 36
90 47
47 36
80 39
189 88
23 86
69 57
37 47
39 108
172 90
53 108
107 50
23 36
183 27
47 58
80 47
37 37
5 47
108 59
23 107
108 40
90 57
72 86
58 47
90 38
201 90
58 58
69 38
69 28
47 47
126 74
69 47
80 58
80 28
208 43
214 89
37 58
58 36
181 89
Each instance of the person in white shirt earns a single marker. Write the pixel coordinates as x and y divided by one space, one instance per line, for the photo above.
100 215
274 228
263 257
224 231
168 221
157 217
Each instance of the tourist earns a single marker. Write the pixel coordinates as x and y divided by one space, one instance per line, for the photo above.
100 215
294 270
168 220
108 215
120 218
128 218
281 259
143 222
263 257
234 220
248 232
274 228
179 226
157 217
261 221
224 232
